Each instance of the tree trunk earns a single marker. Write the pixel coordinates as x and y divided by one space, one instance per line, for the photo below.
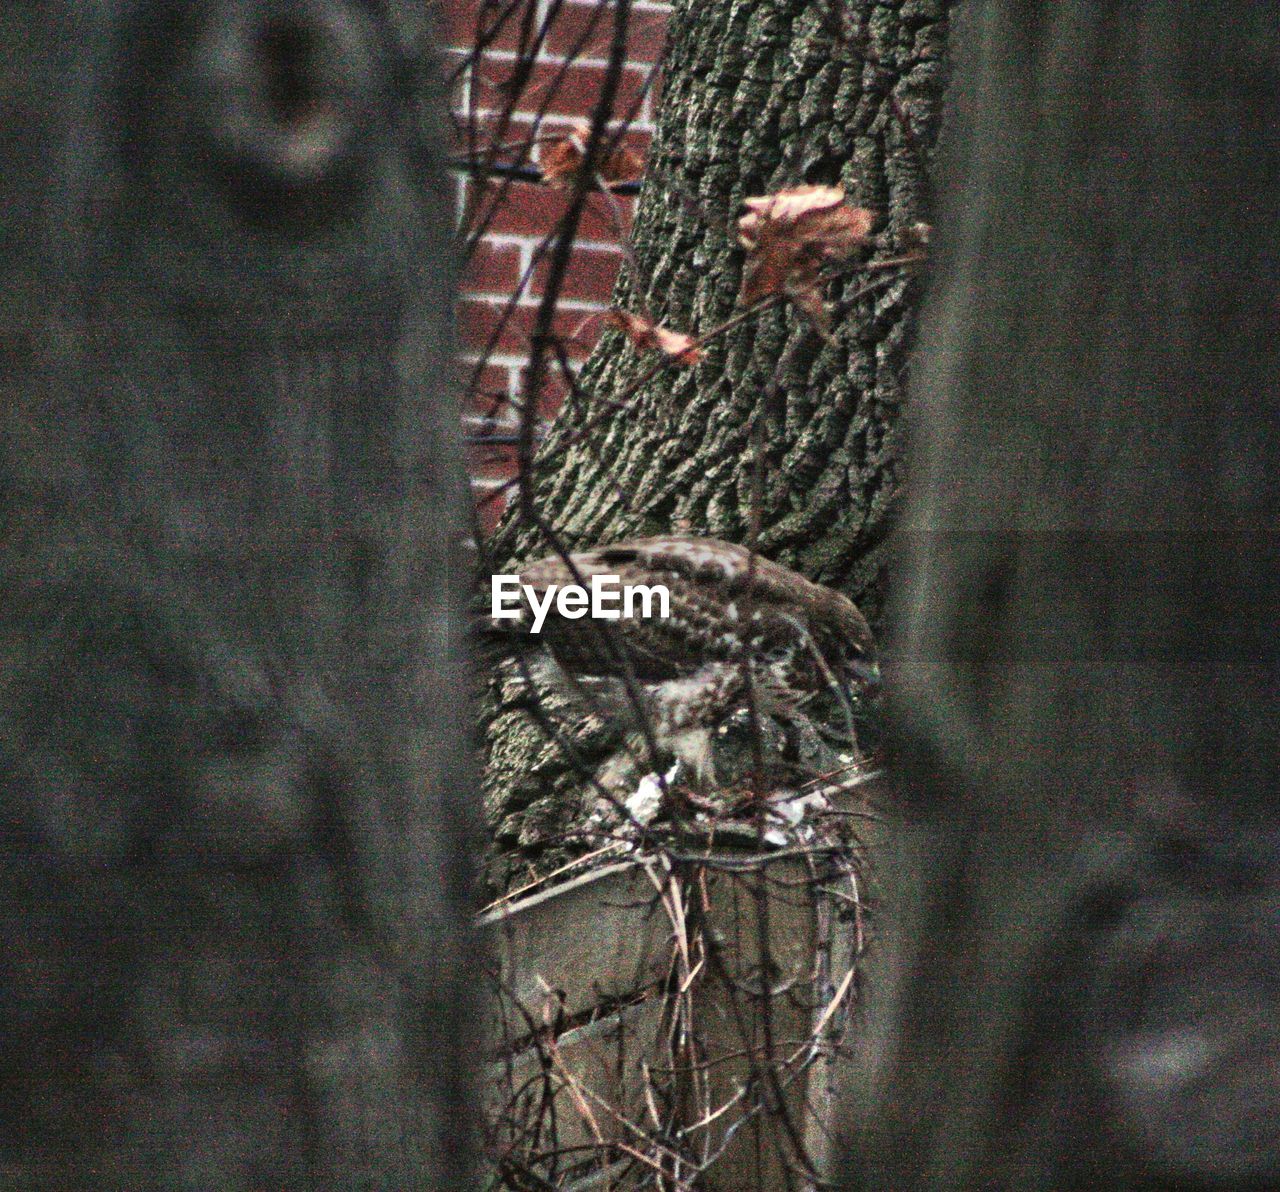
774 425
1080 988
232 767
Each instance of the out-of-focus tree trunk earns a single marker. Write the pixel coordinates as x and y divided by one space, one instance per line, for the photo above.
232 770
1079 984
755 97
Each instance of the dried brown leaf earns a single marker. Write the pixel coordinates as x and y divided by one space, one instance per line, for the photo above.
789 235
808 300
836 233
645 333
794 203
561 160
772 261
624 165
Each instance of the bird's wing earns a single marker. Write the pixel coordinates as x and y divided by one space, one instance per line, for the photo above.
776 592
708 607
720 597
729 569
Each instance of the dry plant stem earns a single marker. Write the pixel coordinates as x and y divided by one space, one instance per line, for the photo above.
833 1005
624 237
649 1103
473 382
547 878
728 1057
515 86
634 386
581 1093
671 892
575 1092
647 1139
912 258
523 144
546 1114
531 43
563 249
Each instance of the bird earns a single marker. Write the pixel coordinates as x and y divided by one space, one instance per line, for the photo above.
744 639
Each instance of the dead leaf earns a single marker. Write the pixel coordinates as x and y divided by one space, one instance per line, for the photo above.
787 206
790 235
645 333
809 301
624 165
561 160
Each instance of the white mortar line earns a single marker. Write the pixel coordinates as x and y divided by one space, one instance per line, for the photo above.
584 305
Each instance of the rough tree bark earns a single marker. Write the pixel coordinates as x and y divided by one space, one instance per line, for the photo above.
232 776
1081 984
756 96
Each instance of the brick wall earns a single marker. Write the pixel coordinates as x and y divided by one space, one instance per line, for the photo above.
521 213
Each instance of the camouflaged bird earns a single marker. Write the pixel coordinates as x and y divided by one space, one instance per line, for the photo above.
741 631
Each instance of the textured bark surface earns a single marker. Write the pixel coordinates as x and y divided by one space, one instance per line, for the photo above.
233 774
758 95
1075 993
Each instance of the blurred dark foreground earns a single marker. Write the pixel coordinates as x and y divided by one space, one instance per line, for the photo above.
1081 983
233 786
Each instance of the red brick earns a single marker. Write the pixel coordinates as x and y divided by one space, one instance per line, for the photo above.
527 209
482 386
492 462
581 29
589 26
492 269
464 23
478 321
557 88
590 276
552 393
